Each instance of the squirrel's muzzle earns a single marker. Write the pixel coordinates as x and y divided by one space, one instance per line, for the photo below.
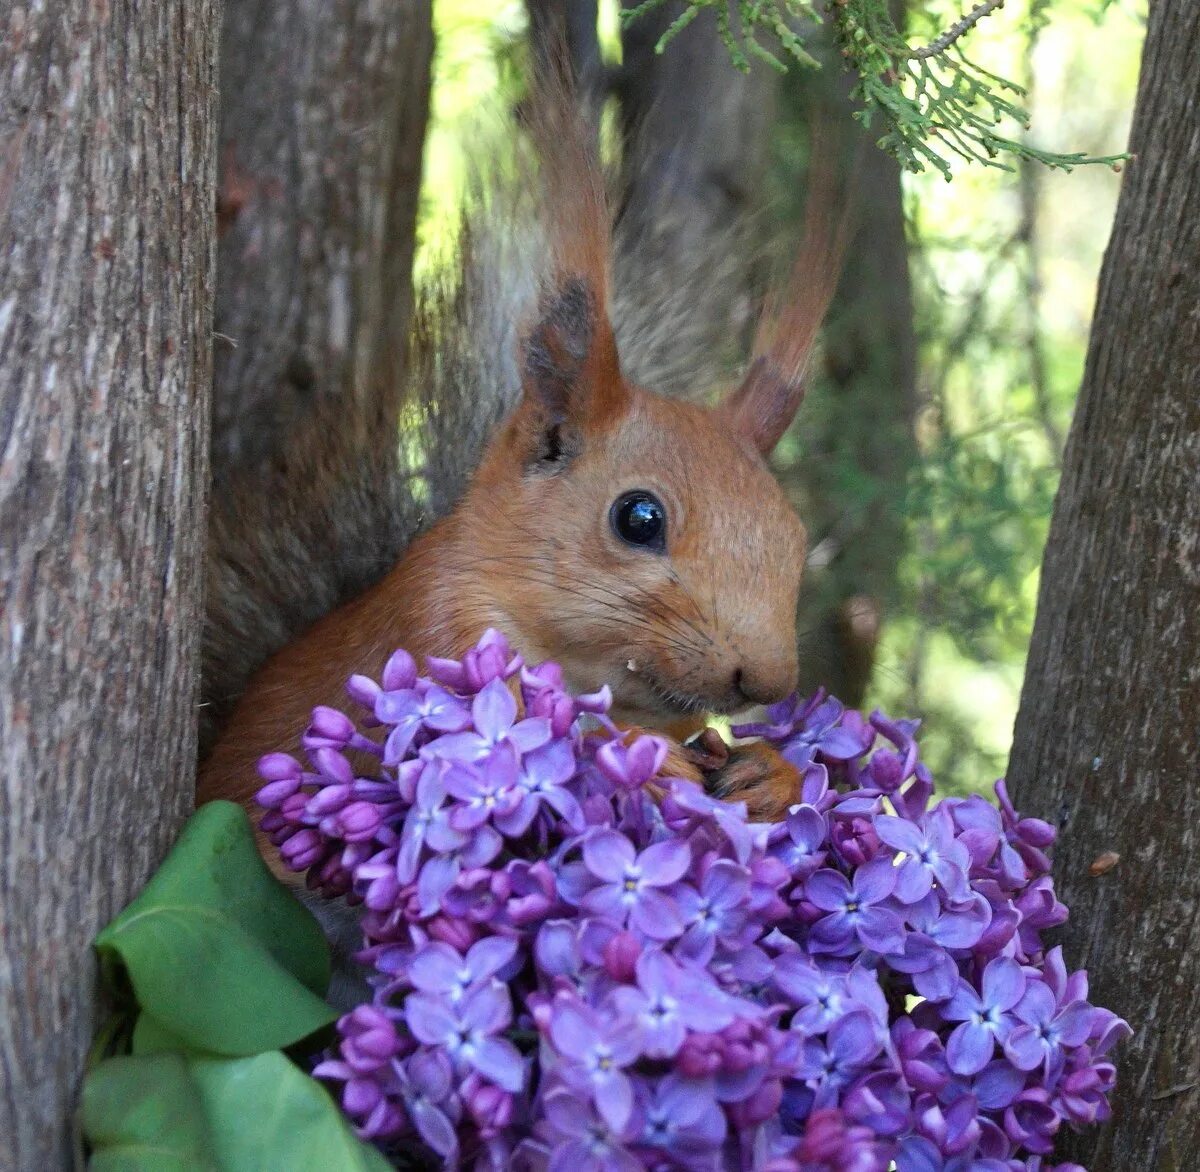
766 680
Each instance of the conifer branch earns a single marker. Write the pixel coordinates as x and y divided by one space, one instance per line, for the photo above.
941 44
933 101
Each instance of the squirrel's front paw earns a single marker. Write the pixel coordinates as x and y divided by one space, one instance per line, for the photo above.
754 773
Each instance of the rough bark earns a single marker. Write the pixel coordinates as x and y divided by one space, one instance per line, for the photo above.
323 111
696 134
1109 723
107 185
323 114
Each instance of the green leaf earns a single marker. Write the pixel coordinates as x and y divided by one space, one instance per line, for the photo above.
266 1115
171 1113
144 1115
151 1037
218 952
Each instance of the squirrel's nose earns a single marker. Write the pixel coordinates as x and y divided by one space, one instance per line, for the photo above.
766 681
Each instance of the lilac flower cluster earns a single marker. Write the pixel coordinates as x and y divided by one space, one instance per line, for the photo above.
579 963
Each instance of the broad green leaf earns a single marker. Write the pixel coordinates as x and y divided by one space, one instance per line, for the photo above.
152 1037
145 1115
267 1115
171 1113
218 951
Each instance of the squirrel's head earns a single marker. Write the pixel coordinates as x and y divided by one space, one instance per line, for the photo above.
640 541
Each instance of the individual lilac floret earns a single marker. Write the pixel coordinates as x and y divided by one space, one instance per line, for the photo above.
1047 1030
630 883
466 1028
679 1116
930 855
799 841
581 1140
858 916
494 714
595 1051
669 1000
579 963
985 1016
829 1066
411 711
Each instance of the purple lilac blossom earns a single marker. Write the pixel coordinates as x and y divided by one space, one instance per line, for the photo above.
580 963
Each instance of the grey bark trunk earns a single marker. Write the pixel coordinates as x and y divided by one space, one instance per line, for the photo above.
107 186
1108 731
323 113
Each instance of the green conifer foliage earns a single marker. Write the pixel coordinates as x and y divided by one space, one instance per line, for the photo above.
931 101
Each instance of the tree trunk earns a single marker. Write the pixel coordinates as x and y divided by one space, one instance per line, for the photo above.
107 185
323 113
1108 731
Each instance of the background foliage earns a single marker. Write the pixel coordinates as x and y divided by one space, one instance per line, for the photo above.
1004 263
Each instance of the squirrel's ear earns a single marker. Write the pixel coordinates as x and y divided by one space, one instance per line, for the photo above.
571 379
764 405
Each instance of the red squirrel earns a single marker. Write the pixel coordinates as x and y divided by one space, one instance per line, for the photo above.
640 541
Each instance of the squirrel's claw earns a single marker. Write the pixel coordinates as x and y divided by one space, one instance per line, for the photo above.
753 773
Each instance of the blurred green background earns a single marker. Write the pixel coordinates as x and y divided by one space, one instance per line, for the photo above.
1004 266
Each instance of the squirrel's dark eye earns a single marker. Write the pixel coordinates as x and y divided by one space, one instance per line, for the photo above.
640 519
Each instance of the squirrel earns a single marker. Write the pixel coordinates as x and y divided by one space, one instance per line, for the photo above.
640 541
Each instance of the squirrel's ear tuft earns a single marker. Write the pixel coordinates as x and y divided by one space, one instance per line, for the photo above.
765 403
571 379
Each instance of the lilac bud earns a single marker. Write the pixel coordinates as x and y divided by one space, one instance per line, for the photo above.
332 878
274 793
358 821
361 1096
1031 1122
887 770
328 800
621 956
294 808
700 1056
302 850
762 1105
490 1107
380 892
279 767
457 933
369 1039
1036 832
399 672
481 667
363 691
855 839
333 765
328 728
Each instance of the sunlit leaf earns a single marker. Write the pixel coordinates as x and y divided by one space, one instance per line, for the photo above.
218 952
